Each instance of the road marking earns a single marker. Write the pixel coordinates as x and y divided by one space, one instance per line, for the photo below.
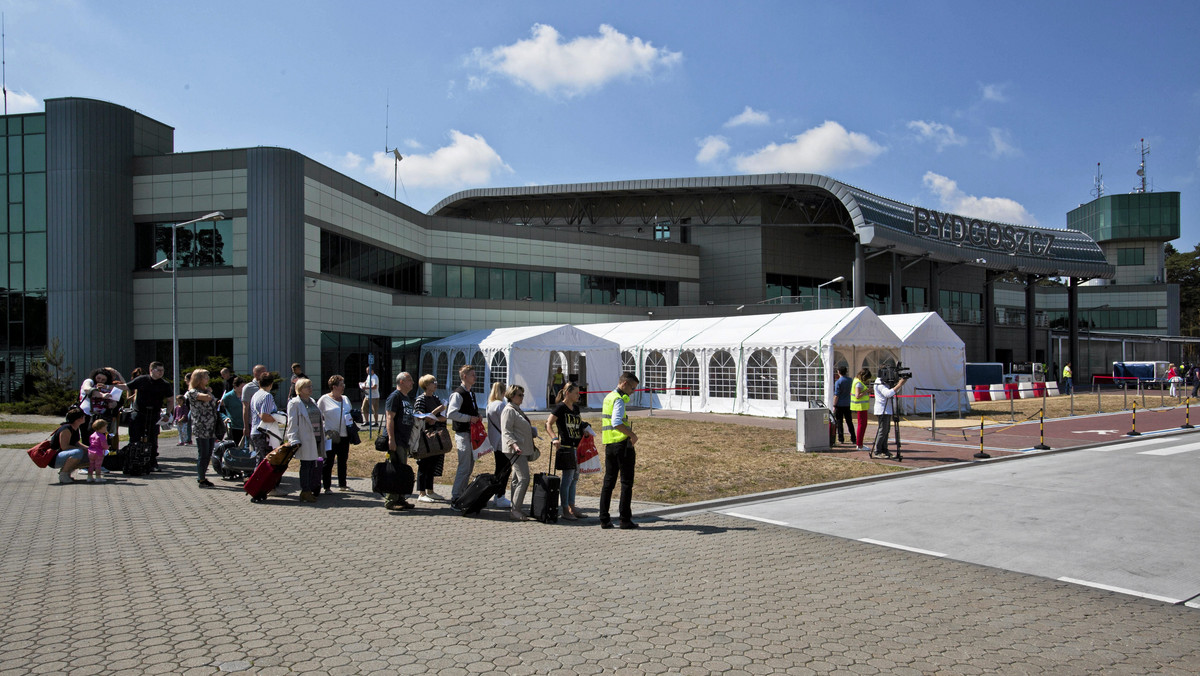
1172 450
756 518
1192 604
896 546
1102 433
1121 590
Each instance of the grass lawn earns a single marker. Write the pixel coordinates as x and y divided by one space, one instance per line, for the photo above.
681 461
16 427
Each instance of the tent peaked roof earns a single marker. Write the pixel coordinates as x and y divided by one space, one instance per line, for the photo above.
926 328
551 337
855 326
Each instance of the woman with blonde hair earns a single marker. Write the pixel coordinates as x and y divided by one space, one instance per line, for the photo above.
202 414
430 467
516 435
495 405
306 430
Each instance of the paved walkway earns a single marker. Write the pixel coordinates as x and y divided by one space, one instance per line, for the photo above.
151 575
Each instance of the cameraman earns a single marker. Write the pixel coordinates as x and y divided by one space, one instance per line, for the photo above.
885 408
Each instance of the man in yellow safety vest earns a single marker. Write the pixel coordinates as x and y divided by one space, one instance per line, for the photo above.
616 432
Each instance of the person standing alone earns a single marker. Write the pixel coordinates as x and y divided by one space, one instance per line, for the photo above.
841 406
616 431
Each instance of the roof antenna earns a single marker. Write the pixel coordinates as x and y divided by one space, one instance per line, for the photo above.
394 151
1098 191
1142 168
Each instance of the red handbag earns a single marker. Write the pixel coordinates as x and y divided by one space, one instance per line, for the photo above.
586 450
478 434
42 455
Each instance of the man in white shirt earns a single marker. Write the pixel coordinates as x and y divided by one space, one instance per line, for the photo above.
885 408
370 390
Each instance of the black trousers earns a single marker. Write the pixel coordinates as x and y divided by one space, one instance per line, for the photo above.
341 451
146 425
842 414
503 470
884 423
618 460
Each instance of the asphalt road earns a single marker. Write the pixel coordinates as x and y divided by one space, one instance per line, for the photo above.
1120 517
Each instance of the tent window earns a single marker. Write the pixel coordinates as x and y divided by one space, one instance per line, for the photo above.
687 375
460 360
439 369
762 376
840 361
477 363
722 376
499 368
627 365
656 371
804 377
877 358
427 363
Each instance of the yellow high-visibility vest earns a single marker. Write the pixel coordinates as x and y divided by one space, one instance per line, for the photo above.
608 435
859 402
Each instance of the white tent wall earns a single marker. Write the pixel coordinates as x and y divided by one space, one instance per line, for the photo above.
937 357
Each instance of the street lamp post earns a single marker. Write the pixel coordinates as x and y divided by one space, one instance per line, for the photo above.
1088 312
835 280
173 262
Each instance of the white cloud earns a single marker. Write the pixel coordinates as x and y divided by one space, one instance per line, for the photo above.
466 161
941 134
548 65
1002 145
749 116
23 102
994 92
349 162
413 144
998 209
821 149
712 148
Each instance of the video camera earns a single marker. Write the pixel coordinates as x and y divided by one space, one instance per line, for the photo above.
890 375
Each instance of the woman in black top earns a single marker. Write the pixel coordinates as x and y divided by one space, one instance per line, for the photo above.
70 453
566 430
428 468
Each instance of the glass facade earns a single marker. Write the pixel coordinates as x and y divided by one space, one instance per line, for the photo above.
201 245
1108 318
362 262
22 250
1150 215
1131 256
192 352
466 281
962 307
598 290
346 354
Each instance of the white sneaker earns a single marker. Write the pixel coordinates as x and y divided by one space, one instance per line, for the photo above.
425 498
502 502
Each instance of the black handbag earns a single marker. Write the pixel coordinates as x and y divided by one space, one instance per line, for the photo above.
381 443
352 435
564 458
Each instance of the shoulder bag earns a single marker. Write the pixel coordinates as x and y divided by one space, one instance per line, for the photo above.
42 455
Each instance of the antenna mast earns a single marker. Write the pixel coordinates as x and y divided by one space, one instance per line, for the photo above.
394 151
1142 168
1098 190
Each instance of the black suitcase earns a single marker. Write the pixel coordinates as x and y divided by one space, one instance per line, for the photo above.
477 494
139 458
545 498
387 478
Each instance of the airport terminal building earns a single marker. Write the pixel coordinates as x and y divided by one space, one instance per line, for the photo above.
310 266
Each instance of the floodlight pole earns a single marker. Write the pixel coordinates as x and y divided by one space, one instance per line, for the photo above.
214 216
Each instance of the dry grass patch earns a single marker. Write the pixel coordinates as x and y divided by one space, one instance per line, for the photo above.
681 461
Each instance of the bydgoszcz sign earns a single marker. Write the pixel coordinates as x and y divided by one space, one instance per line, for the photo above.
984 234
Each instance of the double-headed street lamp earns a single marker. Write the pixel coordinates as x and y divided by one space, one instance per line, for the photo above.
173 261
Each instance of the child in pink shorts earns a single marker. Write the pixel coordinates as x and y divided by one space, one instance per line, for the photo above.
97 449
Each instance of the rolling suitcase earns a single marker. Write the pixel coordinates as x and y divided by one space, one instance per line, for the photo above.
139 458
477 494
264 480
544 505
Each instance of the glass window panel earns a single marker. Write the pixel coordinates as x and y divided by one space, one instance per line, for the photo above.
3 266
468 281
15 152
35 123
3 154
223 244
35 261
453 281
510 284
483 280
522 284
35 152
16 248
16 188
549 293
14 125
35 202
439 281
16 276
496 290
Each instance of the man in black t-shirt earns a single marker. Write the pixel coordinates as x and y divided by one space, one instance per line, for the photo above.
150 390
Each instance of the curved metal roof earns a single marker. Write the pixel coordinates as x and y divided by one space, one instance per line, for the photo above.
878 222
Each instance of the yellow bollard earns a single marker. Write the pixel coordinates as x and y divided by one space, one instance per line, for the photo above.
1133 420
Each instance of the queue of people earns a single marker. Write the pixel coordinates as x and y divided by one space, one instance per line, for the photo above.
322 429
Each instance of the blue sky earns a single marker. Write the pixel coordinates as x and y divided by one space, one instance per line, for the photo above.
999 110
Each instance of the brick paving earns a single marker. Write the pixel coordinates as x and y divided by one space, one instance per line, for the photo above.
151 575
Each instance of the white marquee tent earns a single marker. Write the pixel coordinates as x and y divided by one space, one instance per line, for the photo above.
757 364
937 357
524 356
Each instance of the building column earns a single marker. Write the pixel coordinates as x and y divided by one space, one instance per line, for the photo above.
860 275
935 288
989 317
1030 314
1072 323
897 302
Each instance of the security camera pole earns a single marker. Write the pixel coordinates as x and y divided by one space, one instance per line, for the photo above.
173 262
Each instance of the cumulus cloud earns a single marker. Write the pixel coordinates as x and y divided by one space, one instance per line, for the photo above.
349 162
23 102
466 161
994 92
998 209
941 135
749 116
712 148
828 147
547 64
1002 145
